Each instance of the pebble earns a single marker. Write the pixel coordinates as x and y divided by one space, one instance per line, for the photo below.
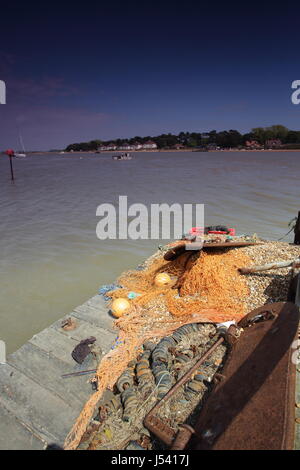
272 285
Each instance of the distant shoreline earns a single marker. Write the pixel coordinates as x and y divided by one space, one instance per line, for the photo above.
109 152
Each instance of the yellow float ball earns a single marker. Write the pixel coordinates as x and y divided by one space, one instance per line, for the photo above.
162 279
119 307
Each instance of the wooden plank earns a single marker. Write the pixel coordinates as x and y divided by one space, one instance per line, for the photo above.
49 417
15 436
60 345
98 302
96 311
56 344
36 404
47 371
84 329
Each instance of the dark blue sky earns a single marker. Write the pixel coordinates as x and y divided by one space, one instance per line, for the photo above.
79 72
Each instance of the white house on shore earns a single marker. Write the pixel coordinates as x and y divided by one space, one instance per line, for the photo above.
107 147
137 146
126 147
149 145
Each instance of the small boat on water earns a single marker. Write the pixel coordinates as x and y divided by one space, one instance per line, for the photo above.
19 154
123 156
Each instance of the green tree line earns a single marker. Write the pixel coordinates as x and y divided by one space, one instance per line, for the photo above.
223 139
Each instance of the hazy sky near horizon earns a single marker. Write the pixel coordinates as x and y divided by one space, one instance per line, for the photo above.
77 72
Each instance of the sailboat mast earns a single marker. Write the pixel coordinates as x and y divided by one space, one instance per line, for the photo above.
22 143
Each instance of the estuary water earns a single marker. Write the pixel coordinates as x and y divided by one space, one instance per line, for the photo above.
50 257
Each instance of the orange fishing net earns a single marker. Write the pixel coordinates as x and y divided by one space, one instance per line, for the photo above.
205 288
210 280
213 282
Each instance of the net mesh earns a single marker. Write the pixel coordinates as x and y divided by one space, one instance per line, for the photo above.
204 288
208 280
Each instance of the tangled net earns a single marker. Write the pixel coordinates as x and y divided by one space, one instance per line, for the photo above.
205 288
210 280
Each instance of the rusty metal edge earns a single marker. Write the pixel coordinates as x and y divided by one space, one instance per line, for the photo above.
288 442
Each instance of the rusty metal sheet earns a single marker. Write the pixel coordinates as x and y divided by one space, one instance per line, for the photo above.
253 406
228 244
180 248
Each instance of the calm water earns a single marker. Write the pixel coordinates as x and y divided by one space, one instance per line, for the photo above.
52 261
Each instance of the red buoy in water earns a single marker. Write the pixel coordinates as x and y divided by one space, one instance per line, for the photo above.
11 153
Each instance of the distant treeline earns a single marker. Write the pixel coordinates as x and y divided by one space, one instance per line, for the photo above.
223 139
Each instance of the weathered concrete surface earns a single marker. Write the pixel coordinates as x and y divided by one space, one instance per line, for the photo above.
16 435
95 311
37 405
